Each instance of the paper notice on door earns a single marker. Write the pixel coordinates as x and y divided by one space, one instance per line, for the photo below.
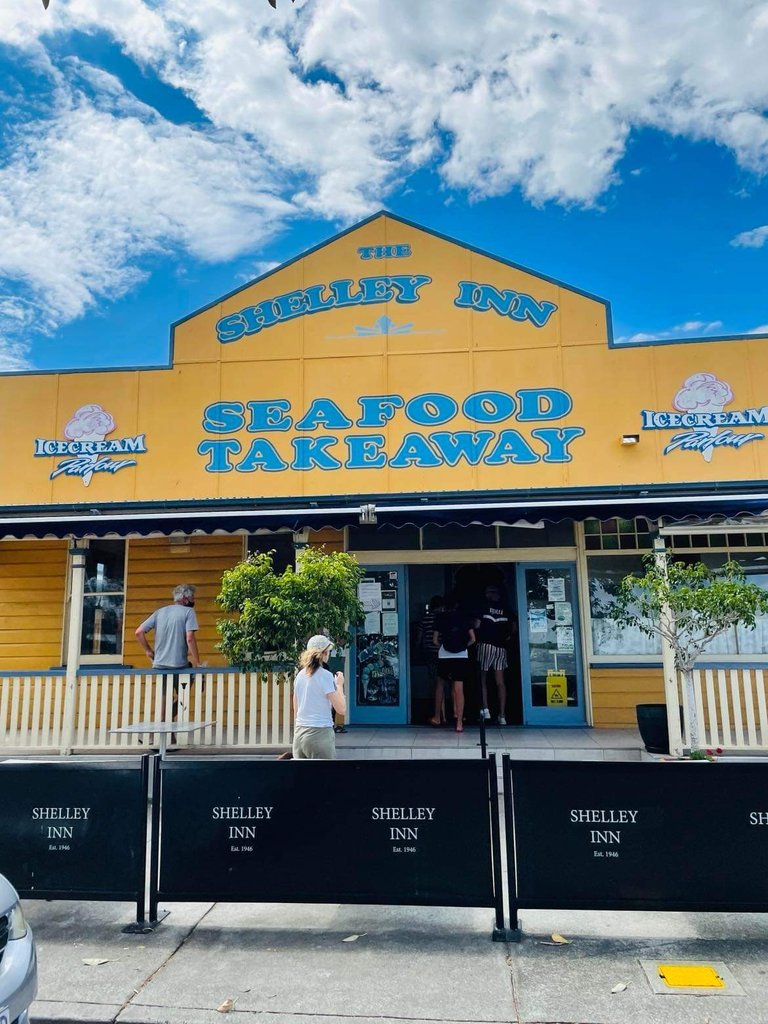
389 623
369 593
556 588
563 613
537 621
564 636
372 622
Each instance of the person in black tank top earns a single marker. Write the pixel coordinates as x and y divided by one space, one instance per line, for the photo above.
494 632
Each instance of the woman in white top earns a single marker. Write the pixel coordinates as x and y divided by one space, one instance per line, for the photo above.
315 693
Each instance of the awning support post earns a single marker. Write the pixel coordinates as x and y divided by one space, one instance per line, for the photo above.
671 694
76 594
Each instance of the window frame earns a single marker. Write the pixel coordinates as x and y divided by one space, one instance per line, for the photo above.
96 659
652 660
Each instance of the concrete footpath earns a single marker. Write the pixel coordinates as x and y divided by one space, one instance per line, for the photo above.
291 963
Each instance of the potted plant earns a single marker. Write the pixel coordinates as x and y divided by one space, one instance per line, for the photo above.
687 606
273 614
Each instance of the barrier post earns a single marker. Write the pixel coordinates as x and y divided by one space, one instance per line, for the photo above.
515 931
76 594
154 846
141 888
500 933
483 745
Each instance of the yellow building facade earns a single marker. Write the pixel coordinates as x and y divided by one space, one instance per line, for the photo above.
456 421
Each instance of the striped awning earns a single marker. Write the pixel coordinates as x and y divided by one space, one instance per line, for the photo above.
694 507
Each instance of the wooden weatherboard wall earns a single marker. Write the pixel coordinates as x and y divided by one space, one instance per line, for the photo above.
156 566
33 576
617 691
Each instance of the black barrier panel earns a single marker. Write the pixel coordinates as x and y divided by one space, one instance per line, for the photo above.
74 831
390 832
670 836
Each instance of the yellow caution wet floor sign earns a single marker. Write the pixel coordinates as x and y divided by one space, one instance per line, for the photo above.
557 689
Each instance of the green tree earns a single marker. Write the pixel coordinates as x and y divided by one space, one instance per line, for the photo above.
688 606
272 615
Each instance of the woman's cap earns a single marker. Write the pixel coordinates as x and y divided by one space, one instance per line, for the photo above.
319 643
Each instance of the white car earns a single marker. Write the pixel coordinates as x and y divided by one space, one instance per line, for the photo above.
18 961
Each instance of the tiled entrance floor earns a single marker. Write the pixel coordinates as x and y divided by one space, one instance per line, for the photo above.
517 741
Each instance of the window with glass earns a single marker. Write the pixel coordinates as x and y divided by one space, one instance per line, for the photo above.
617 534
605 572
104 600
608 637
280 544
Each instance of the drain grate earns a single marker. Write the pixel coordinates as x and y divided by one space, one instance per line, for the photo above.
691 978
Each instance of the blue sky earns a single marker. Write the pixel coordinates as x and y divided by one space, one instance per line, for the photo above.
153 159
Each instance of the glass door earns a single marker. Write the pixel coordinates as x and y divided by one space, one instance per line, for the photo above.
378 688
550 644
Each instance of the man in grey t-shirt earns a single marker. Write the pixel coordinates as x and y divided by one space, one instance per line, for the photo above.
175 626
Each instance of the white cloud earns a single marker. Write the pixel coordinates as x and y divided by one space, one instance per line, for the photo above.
325 107
754 239
693 328
700 326
254 270
91 191
640 338
762 329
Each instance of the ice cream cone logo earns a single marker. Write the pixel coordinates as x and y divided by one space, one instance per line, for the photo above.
90 423
701 421
704 393
86 446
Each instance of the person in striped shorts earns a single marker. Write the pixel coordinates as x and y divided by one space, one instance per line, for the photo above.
494 632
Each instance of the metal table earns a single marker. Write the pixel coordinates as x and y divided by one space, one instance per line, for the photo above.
163 730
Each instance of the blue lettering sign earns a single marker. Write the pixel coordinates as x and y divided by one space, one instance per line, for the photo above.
378 409
324 413
516 305
369 450
543 404
219 452
261 455
428 410
557 440
269 416
415 450
224 418
383 252
461 444
402 288
311 452
489 406
365 451
511 447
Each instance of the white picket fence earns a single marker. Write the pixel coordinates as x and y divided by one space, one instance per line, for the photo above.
731 707
249 710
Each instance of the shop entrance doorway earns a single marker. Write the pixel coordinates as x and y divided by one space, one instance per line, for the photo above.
468 582
378 692
550 644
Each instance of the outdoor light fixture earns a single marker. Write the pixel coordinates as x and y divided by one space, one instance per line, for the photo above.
368 515
630 439
300 538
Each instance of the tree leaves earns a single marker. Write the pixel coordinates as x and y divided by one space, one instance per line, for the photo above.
272 616
688 604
